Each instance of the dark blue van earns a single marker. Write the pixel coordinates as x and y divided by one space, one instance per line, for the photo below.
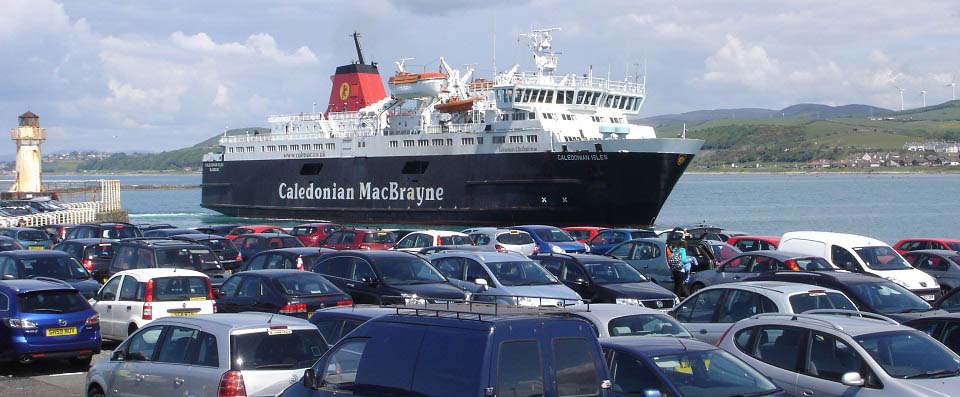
447 353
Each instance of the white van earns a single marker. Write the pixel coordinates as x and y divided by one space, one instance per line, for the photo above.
862 255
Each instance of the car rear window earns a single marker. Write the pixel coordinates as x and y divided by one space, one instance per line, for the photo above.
647 325
276 349
579 234
187 258
239 231
32 235
167 289
54 267
52 302
515 238
104 251
303 231
643 234
814 300
220 244
380 238
455 240
118 232
306 284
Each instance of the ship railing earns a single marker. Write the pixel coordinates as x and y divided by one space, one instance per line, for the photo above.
287 118
570 80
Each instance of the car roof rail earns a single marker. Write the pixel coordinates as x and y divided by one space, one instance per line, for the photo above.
853 313
798 317
473 310
53 280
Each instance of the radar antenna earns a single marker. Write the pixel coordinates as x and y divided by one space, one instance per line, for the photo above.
356 41
543 55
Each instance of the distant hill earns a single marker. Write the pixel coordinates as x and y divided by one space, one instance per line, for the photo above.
805 110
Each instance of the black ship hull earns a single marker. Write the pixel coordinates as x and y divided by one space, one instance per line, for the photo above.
597 188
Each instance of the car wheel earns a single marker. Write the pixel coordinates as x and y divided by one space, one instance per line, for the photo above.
695 287
95 391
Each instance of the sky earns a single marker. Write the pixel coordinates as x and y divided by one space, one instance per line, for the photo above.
160 75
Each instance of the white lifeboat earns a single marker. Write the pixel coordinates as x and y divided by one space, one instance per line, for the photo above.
405 85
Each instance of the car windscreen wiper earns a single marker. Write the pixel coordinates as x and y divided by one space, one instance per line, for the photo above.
941 373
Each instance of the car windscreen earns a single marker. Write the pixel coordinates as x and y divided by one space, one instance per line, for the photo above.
613 272
455 240
521 273
553 235
63 268
886 297
99 251
303 231
910 355
712 373
167 289
380 238
306 284
642 234
406 271
515 238
52 302
220 245
881 258
276 349
32 235
813 264
187 258
815 300
118 232
647 325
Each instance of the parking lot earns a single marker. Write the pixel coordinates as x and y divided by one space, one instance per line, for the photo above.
57 378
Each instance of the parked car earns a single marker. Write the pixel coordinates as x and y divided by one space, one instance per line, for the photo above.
943 265
704 231
504 240
145 227
132 299
290 292
467 355
15 265
167 232
219 230
508 278
338 321
949 302
359 239
441 248
862 255
107 230
583 233
642 366
552 239
9 244
298 258
30 238
57 232
401 233
945 328
46 319
914 244
601 279
313 234
609 238
754 263
747 243
251 244
95 254
868 292
247 354
844 354
241 230
228 253
711 253
615 320
427 238
649 257
145 253
385 277
710 312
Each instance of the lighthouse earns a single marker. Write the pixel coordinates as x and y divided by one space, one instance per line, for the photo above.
28 135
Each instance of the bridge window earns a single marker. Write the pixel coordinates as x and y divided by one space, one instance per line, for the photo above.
580 95
549 97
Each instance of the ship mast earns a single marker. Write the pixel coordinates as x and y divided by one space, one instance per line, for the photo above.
356 42
543 55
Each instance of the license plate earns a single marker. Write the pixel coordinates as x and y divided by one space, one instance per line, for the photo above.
36 248
927 297
183 314
61 331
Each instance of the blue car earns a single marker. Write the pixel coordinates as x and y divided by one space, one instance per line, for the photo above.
30 238
46 318
607 239
655 367
553 239
15 265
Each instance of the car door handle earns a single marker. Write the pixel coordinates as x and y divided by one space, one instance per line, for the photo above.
703 332
351 285
129 308
807 393
178 381
736 277
109 307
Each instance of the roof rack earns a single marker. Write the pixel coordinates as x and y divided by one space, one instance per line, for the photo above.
798 317
853 313
473 310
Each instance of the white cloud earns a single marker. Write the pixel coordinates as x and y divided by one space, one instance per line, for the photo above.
260 44
737 63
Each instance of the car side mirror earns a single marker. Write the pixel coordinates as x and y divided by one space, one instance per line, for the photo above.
310 379
580 281
370 281
117 355
8 277
482 283
852 379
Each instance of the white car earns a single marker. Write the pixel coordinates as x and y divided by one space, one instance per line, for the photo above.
862 255
131 299
504 240
414 241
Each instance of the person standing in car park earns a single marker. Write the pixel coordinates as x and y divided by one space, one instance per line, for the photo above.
680 264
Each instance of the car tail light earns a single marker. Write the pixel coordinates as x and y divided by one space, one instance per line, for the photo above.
724 335
88 264
93 320
21 323
439 241
345 302
147 311
293 308
239 257
148 294
231 385
214 307
299 263
499 248
791 265
209 290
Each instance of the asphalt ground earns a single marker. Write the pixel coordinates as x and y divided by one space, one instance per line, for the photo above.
51 378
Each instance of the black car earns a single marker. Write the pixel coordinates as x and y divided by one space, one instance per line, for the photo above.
950 301
58 265
227 252
95 254
290 292
298 258
145 253
10 244
144 227
387 277
111 230
943 327
870 293
602 279
220 230
57 232
167 232
336 322
251 244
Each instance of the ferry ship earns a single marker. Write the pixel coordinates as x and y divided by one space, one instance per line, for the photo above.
446 148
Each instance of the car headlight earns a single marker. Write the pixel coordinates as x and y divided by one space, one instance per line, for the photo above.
676 301
628 301
413 299
557 249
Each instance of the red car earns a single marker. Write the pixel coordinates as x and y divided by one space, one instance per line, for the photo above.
360 239
583 233
312 234
747 243
240 230
914 244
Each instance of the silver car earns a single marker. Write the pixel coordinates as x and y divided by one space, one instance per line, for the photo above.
612 320
261 353
503 240
508 278
755 263
844 353
710 312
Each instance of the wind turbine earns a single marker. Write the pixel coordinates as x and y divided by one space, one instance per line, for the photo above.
901 96
923 94
953 85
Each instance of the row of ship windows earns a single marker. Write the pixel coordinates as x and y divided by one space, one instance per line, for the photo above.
519 116
282 148
566 97
393 144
